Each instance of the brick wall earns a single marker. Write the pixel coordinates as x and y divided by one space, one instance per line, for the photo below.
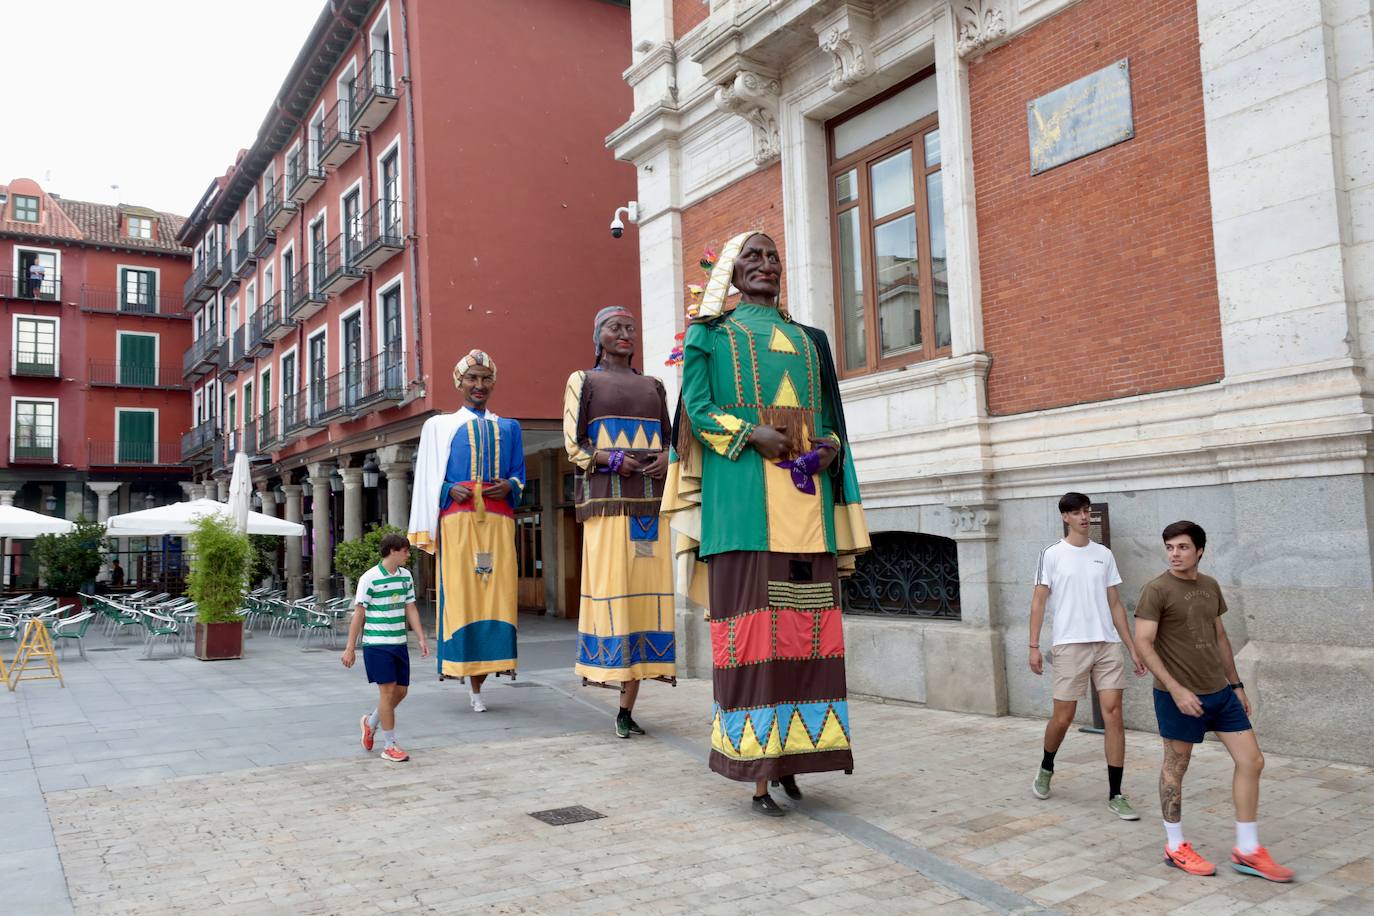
754 202
1098 276
687 13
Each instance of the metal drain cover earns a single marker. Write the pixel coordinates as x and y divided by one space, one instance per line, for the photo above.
110 649
559 817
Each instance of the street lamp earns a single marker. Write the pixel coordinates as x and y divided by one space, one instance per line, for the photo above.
370 475
335 482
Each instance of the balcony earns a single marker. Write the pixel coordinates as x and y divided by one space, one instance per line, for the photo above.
133 454
338 274
305 297
272 318
238 357
269 430
241 440
34 449
380 236
204 280
20 286
120 302
302 178
374 91
32 363
245 255
257 344
375 383
109 373
292 416
277 209
198 440
264 239
323 402
337 139
203 357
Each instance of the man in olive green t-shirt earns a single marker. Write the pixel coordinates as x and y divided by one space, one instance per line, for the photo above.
1180 636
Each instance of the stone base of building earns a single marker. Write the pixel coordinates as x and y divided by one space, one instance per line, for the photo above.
1311 700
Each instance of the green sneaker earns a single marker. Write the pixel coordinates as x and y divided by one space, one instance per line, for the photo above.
1123 808
622 726
634 727
1041 786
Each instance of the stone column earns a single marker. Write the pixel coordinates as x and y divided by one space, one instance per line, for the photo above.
353 503
188 490
269 499
294 585
550 486
322 560
396 462
103 492
7 499
223 488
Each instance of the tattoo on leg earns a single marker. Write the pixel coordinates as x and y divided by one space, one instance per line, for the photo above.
1171 784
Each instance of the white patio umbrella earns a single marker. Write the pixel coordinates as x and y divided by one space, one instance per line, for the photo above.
241 491
21 523
180 518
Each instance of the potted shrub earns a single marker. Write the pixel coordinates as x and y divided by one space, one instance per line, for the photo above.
71 561
221 559
264 571
353 558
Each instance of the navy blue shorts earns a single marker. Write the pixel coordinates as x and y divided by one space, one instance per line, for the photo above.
387 664
1221 712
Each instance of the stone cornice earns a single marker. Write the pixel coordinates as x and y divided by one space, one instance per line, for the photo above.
754 97
982 23
659 55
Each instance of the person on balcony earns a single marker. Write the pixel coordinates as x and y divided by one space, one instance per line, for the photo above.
615 428
37 276
469 475
762 489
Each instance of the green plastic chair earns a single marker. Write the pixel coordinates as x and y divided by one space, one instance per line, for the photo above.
73 629
158 627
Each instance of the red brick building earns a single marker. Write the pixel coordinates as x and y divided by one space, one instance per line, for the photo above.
1117 248
430 178
94 327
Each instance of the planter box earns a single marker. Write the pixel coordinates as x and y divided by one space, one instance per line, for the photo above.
216 641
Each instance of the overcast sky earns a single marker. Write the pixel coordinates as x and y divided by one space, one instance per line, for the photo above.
155 96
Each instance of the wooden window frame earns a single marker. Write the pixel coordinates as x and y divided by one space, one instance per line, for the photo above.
861 161
31 204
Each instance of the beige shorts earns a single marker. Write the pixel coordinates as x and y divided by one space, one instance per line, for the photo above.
1077 663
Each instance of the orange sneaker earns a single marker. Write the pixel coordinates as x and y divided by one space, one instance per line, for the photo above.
1186 859
394 754
367 734
1260 864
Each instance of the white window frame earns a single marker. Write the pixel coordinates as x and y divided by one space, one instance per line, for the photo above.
322 217
274 397
157 428
293 352
119 349
56 422
119 288
312 143
57 341
288 248
250 290
269 177
347 74
129 227
393 146
309 340
398 283
355 309
292 152
269 270
57 266
362 208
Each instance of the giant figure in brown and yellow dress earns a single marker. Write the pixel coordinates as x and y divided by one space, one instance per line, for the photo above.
763 492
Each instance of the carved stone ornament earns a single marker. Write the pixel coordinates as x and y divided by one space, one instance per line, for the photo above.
981 22
846 35
755 98
971 519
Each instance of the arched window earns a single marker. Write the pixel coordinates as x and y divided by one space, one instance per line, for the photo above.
906 575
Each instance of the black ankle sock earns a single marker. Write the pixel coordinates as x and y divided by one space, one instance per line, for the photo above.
623 714
1113 781
1047 762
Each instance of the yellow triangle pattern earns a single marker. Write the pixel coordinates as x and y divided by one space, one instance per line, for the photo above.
656 443
640 441
774 746
603 440
796 740
720 442
832 734
622 440
787 392
779 343
718 739
797 736
749 742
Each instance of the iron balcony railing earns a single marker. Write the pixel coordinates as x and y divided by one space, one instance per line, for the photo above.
338 272
292 414
201 285
374 91
276 210
109 373
302 179
241 440
200 358
306 295
269 429
238 351
34 363
376 381
272 321
133 454
379 235
336 138
245 257
32 448
22 286
198 439
120 301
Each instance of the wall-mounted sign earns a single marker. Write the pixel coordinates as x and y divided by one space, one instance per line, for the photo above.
1099 524
1083 117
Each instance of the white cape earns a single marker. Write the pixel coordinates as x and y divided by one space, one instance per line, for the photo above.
431 461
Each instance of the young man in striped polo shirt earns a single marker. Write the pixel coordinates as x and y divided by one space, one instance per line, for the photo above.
385 602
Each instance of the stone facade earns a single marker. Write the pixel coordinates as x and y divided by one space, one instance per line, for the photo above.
1245 323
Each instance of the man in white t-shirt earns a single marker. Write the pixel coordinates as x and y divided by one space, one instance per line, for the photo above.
1077 578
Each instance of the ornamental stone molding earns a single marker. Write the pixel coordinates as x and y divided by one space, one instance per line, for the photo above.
847 35
981 22
754 97
973 521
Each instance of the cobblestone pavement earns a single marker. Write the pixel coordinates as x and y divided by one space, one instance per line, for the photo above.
238 787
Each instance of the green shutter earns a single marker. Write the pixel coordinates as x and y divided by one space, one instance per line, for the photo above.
137 359
135 437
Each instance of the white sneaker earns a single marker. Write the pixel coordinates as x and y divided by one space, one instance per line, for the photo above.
477 704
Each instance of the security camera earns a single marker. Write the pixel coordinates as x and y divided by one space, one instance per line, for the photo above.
631 211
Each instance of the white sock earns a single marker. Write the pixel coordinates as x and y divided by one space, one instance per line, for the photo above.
390 738
1247 837
1174 832
374 720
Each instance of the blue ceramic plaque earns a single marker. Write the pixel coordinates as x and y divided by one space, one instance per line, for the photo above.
1083 117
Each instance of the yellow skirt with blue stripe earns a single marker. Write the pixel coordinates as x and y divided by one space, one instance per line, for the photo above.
625 620
476 590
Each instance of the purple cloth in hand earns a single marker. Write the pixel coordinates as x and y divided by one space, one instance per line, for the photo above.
804 468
